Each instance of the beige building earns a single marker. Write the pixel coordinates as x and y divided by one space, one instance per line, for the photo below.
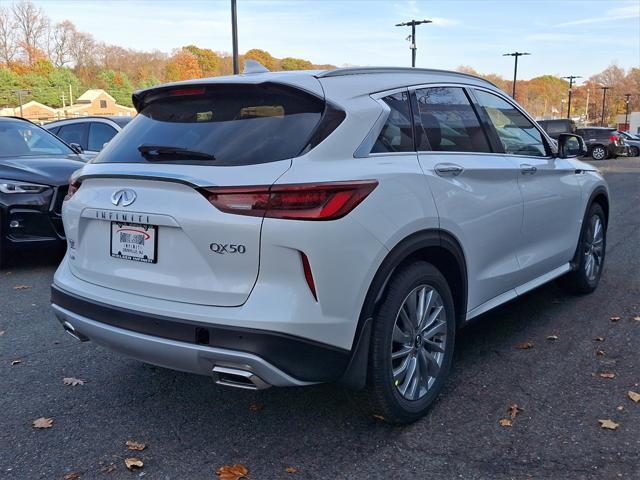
96 102
33 111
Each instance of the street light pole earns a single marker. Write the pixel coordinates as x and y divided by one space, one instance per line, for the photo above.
515 69
413 46
627 96
571 78
20 93
604 99
234 35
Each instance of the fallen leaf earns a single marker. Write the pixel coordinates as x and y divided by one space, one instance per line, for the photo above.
1 332
72 381
72 476
16 361
600 353
607 375
133 462
379 417
615 318
525 346
291 469
109 469
133 445
635 396
620 408
552 337
599 339
505 422
232 472
22 287
254 407
43 422
608 424
514 410
637 319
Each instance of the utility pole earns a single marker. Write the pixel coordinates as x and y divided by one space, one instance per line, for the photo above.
515 69
413 46
627 97
234 35
604 100
70 96
20 93
63 98
571 78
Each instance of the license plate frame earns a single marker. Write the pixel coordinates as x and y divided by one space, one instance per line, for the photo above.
150 249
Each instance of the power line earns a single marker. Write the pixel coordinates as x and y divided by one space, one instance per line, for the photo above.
604 99
515 68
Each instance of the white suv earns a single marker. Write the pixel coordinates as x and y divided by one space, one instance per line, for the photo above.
293 228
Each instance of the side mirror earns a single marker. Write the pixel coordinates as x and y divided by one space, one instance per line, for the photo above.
571 146
76 148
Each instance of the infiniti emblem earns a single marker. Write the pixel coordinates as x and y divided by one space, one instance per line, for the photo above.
124 197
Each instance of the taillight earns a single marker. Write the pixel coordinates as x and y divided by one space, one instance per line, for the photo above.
613 138
182 92
320 201
74 185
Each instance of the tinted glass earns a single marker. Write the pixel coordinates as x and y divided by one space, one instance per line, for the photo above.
518 135
99 134
237 124
397 133
448 122
19 139
75 133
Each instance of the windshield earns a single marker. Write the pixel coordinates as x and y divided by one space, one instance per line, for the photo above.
218 125
22 139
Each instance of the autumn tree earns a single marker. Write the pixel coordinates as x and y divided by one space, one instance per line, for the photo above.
290 63
8 37
208 60
263 57
32 27
182 65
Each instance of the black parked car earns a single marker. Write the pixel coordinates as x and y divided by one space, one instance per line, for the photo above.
555 127
603 142
35 167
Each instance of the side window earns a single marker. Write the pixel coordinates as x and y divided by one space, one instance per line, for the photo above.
99 134
448 122
397 133
518 135
75 133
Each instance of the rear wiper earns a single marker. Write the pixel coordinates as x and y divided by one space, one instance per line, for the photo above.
154 152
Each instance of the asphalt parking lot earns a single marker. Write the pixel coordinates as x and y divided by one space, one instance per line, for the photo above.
191 427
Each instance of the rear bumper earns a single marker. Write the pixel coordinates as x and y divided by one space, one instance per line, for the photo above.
278 359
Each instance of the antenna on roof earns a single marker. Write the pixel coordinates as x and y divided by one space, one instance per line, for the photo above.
253 66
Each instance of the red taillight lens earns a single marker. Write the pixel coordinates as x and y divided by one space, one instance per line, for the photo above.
74 185
321 201
182 92
613 138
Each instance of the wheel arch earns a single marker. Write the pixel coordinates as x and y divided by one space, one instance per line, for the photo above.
438 247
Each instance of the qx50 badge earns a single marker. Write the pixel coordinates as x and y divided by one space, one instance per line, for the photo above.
222 248
123 198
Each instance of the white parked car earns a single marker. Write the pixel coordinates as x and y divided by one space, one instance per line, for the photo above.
293 228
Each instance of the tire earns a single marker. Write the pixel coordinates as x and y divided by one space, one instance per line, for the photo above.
598 152
634 152
591 253
404 399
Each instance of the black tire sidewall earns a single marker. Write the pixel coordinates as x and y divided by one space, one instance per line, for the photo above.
583 281
398 409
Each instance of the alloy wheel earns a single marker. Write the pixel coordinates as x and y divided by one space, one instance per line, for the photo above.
593 248
418 343
598 153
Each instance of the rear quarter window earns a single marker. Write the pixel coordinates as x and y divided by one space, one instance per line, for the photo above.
236 124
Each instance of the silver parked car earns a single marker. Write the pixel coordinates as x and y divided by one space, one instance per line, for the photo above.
91 133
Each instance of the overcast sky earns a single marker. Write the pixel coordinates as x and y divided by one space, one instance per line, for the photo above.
579 37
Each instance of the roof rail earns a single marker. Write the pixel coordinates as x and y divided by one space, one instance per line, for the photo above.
339 72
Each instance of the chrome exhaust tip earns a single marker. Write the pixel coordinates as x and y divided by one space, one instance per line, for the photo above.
72 331
234 377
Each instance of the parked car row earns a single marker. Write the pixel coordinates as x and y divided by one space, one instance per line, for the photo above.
602 142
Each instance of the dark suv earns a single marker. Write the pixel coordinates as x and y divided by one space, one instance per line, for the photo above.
555 127
603 142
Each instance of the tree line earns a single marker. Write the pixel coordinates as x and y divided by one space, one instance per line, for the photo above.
49 59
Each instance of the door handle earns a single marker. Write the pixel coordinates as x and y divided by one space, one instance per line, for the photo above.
448 169
527 169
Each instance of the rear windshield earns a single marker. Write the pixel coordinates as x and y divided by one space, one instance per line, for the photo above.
219 125
558 127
